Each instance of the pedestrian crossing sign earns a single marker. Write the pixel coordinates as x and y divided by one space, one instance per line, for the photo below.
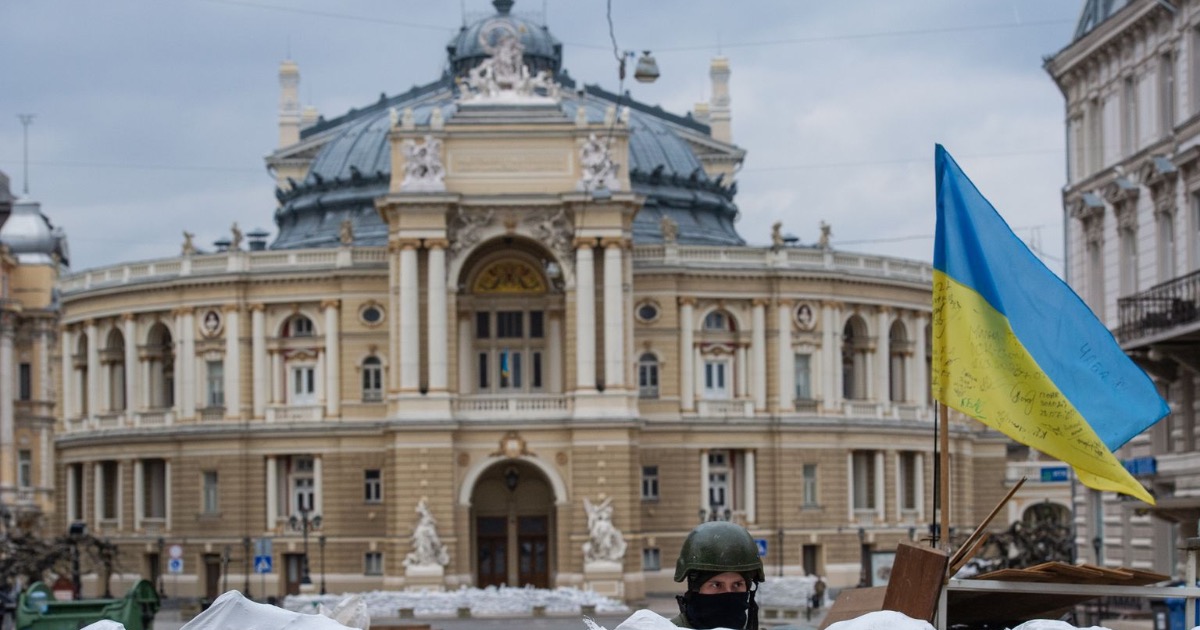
262 564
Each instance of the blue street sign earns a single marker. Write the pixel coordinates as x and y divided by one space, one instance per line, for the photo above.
175 565
762 547
262 564
1052 474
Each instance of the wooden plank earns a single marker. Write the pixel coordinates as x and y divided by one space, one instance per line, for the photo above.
918 575
854 602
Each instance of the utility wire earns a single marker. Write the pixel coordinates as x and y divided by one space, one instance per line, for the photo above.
336 16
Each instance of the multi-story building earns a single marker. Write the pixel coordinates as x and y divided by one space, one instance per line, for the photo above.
31 254
504 295
1131 79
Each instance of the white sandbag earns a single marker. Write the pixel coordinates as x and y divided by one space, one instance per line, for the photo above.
106 624
232 611
641 620
882 620
351 612
1052 624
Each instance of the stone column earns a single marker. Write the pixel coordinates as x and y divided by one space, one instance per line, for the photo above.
741 373
585 315
258 360
93 369
786 400
466 375
831 317
168 496
439 340
73 491
278 379
233 362
614 325
920 380
333 359
97 493
45 373
139 493
554 358
179 385
8 471
318 492
704 478
272 493
132 384
393 321
749 488
759 348
687 364
410 319
66 345
883 357
189 364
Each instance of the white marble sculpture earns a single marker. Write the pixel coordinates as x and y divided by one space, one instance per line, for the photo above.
503 76
597 167
605 542
423 171
428 549
467 229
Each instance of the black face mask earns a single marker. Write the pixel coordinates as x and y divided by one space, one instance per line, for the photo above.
724 610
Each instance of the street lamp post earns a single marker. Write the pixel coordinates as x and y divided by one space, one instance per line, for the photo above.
304 523
864 558
321 544
246 561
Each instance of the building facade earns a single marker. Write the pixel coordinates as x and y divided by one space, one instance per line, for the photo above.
1131 80
31 255
520 306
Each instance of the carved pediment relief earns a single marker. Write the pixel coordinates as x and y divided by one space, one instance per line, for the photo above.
1120 190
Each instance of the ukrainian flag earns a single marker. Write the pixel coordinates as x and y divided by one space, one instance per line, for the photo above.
1016 349
504 363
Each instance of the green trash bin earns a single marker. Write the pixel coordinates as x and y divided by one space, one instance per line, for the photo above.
38 610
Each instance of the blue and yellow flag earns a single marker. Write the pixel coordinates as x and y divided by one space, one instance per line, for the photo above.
504 363
1016 349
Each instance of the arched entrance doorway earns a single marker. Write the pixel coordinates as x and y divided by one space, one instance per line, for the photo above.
512 523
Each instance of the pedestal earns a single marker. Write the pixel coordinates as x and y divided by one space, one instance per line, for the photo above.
424 577
604 577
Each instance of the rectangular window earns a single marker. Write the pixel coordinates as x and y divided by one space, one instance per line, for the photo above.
373 563
1195 244
24 469
510 324
483 371
373 485
154 488
110 482
864 480
1095 278
1128 260
536 328
304 385
649 483
803 376
25 382
908 481
211 498
716 386
536 377
483 325
1167 92
1129 138
1166 246
216 384
648 376
810 485
808 555
75 492
372 380
1095 144
510 369
303 484
651 559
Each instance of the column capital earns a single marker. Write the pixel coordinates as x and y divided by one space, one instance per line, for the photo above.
437 243
89 322
833 304
229 308
406 243
760 302
179 312
687 301
127 316
786 302
257 307
330 303
611 241
584 242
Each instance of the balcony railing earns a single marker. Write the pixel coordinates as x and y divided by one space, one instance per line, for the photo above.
1160 308
524 406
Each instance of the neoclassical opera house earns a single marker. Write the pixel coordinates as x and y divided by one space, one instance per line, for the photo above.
514 312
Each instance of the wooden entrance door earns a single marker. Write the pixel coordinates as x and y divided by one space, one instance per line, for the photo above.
533 551
491 541
293 570
212 576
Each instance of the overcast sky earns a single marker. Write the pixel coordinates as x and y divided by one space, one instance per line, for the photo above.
153 116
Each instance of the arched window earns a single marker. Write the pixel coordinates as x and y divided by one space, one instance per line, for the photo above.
160 355
648 376
898 351
372 379
113 362
855 345
298 326
718 321
510 328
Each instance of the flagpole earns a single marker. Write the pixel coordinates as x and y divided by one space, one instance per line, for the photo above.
937 476
944 476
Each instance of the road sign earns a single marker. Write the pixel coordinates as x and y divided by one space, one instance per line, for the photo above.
262 546
262 564
762 547
175 565
176 551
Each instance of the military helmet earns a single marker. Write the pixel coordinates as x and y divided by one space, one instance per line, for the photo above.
719 546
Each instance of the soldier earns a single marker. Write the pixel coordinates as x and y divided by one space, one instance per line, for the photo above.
720 562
